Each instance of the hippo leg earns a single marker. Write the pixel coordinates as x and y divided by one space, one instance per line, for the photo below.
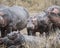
2 33
5 31
41 33
47 34
29 32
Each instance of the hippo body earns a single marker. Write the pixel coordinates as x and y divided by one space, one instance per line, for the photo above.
13 18
23 41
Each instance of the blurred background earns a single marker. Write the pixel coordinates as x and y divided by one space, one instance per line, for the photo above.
31 5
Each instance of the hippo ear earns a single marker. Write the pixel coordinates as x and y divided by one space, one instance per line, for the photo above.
1 13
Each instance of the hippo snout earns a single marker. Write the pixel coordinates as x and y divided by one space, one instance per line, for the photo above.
31 26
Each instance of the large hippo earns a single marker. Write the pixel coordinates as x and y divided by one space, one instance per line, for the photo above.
15 39
39 23
13 18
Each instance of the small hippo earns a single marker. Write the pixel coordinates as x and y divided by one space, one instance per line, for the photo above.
12 19
54 16
39 23
55 19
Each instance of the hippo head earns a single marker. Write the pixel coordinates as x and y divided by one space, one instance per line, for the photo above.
13 46
54 10
2 20
32 23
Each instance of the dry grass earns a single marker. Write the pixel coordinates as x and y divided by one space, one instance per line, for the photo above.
31 5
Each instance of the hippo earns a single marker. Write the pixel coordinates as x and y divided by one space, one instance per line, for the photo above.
12 19
53 9
39 23
55 19
54 16
22 41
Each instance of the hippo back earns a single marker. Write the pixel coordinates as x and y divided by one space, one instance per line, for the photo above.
3 7
20 16
16 16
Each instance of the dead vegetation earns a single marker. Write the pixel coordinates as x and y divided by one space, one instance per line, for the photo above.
31 5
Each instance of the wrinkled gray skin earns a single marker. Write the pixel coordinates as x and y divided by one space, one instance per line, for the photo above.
41 24
13 18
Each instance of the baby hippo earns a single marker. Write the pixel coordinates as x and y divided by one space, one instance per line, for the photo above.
39 23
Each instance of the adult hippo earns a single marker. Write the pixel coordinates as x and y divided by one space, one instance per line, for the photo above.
13 18
17 40
39 23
